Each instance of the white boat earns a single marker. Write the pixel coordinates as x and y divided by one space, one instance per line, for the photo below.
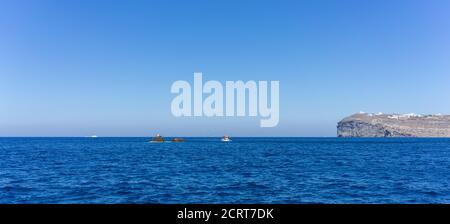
226 138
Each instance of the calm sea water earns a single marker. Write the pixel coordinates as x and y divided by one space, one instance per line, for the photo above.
205 170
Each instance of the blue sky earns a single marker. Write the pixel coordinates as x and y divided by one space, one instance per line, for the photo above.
79 68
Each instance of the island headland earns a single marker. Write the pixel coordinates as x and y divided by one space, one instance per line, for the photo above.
394 125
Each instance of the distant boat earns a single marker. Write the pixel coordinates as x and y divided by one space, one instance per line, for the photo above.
157 139
178 140
226 138
94 136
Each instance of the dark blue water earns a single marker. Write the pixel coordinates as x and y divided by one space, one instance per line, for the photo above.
205 170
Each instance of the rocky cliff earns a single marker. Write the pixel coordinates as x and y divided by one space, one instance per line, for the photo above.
394 125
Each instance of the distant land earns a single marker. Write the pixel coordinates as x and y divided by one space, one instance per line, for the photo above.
394 125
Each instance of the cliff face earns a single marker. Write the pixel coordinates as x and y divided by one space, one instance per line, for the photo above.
394 125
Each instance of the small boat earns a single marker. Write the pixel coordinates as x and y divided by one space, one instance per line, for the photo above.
178 140
226 138
157 139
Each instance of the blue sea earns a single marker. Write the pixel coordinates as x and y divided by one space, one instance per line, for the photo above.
206 170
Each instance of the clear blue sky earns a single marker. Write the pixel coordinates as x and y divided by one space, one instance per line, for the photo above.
78 68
